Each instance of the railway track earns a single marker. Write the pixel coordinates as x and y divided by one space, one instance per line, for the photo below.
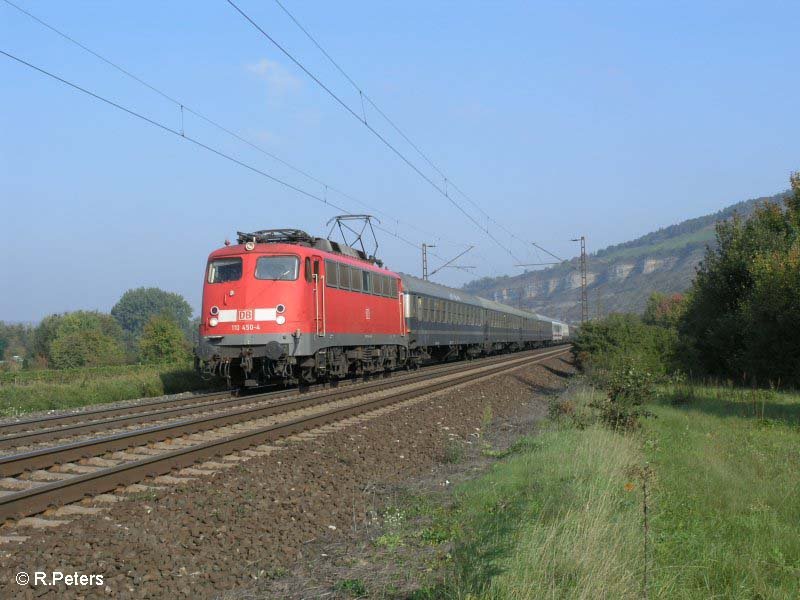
21 434
65 473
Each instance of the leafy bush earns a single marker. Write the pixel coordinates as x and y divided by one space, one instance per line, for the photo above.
89 348
163 342
627 388
623 339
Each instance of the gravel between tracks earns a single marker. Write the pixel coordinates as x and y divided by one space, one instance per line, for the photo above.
234 531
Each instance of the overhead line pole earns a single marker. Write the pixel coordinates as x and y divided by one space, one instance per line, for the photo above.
425 259
584 295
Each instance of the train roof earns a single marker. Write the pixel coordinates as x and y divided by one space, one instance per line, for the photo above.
323 250
435 290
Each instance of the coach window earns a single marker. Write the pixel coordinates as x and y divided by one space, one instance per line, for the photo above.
224 269
332 273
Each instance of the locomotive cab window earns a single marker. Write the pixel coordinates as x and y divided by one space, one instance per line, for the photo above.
277 268
224 269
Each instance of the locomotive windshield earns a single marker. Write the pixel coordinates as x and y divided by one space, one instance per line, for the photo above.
277 268
224 269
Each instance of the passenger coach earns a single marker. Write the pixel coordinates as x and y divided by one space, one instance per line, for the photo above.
445 321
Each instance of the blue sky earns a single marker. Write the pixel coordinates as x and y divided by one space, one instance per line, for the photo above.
608 119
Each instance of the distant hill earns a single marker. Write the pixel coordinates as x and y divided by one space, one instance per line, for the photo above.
621 277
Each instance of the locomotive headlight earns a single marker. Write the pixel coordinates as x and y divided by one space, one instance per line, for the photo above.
213 322
214 310
280 320
280 308
250 246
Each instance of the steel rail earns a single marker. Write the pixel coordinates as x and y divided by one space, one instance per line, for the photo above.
15 464
39 498
21 434
110 411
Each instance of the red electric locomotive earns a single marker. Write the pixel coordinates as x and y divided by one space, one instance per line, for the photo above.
282 305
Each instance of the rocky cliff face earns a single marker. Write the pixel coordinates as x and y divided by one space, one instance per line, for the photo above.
619 278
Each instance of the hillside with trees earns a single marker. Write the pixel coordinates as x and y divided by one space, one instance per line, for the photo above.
622 277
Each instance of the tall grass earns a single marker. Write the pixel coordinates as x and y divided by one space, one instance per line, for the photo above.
98 387
563 518
561 521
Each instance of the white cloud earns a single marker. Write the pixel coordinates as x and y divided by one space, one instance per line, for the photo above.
279 80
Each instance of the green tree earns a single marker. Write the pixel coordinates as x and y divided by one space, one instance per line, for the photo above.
742 318
136 307
44 334
80 338
163 341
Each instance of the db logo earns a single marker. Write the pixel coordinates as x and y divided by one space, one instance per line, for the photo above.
245 315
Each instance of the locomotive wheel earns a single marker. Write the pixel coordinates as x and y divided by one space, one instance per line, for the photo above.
308 374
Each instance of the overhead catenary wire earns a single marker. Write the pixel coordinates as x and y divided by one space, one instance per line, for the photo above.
189 138
184 107
375 132
448 182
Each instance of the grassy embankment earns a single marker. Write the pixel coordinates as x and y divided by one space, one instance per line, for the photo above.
562 516
30 391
